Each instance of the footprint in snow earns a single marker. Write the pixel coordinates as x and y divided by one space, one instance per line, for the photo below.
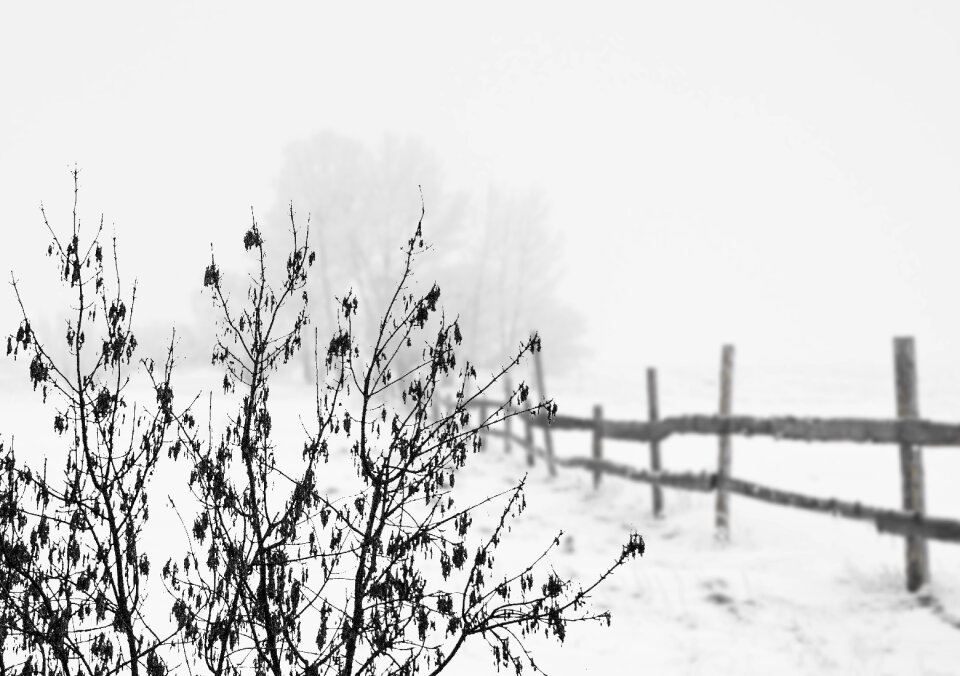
717 594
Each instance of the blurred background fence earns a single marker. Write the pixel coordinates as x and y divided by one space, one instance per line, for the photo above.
907 431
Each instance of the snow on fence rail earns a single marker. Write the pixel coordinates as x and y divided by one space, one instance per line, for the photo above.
908 431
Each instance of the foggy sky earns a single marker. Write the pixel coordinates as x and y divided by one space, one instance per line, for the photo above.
784 177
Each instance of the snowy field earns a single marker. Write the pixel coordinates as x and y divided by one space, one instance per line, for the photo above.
792 593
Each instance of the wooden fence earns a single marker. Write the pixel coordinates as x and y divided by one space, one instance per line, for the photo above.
908 431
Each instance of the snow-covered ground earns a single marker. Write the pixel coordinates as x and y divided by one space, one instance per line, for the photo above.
791 593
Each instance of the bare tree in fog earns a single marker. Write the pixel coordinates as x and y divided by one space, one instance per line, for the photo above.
510 284
361 202
497 259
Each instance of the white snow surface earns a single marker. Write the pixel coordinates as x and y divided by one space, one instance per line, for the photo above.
793 592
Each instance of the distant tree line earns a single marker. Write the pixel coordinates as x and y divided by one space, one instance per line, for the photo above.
497 258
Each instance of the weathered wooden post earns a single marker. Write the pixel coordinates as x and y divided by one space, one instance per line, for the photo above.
480 421
597 444
911 461
508 410
529 437
726 453
653 410
548 438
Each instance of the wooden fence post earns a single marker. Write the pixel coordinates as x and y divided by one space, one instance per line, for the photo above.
548 438
911 461
529 437
653 409
482 432
597 443
726 453
508 409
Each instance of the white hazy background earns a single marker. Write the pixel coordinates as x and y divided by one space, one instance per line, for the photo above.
782 176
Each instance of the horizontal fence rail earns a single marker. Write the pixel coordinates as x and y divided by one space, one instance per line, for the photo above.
891 521
788 428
